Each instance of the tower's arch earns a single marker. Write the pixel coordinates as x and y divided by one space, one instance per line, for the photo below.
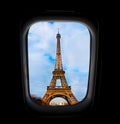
58 96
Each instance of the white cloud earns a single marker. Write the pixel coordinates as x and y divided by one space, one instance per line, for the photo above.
75 49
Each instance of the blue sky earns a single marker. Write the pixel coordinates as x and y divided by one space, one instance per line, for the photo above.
75 50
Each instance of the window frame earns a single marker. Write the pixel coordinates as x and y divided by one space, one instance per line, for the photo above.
89 99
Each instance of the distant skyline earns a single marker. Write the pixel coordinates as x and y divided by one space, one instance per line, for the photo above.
75 50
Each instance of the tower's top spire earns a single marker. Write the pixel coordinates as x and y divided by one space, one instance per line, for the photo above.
58 34
58 30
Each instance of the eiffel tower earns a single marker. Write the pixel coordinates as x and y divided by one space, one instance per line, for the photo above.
63 91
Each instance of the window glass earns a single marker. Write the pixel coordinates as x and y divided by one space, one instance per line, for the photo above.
58 61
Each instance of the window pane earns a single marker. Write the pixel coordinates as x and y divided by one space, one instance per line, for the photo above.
58 50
